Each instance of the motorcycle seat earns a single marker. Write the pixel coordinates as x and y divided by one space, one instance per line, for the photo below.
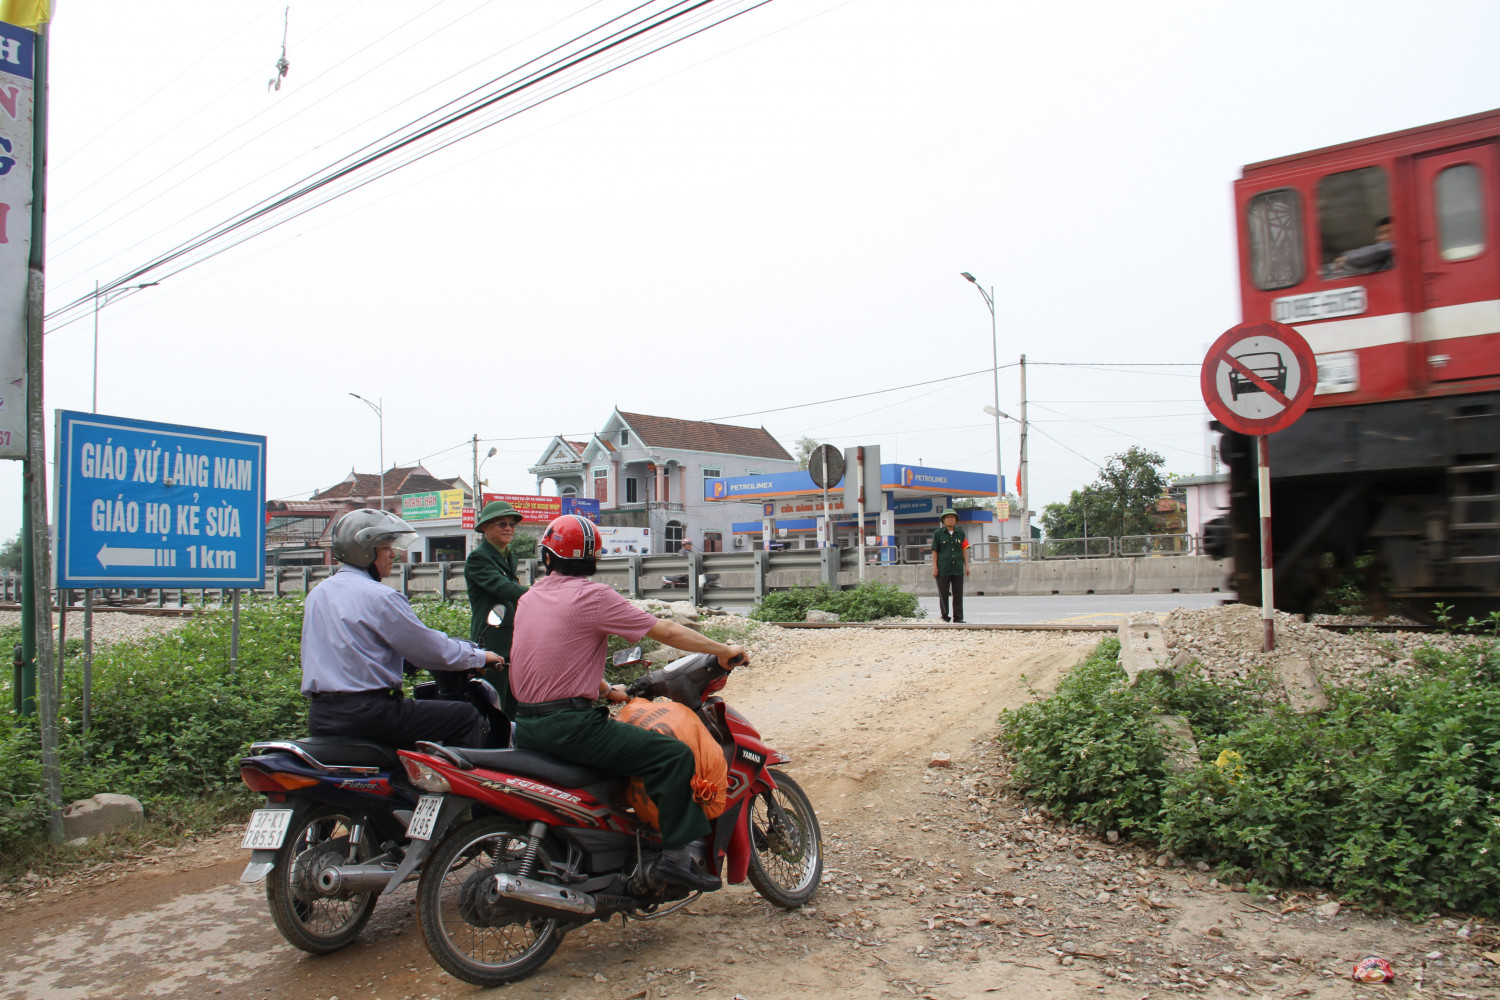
342 751
542 767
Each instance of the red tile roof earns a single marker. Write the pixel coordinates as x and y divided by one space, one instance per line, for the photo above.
699 435
412 479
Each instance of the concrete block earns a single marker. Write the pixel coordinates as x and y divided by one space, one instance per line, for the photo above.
1178 743
1303 691
821 616
1143 648
104 813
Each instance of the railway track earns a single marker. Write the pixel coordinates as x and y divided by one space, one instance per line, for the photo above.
124 609
1065 626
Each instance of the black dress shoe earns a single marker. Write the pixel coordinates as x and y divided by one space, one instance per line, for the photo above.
675 865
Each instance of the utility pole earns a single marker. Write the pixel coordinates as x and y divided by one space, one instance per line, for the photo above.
1023 487
34 478
474 501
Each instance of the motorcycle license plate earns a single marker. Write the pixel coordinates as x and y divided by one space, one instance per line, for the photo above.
425 818
267 829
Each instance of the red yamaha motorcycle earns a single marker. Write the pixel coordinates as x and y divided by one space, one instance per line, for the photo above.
551 849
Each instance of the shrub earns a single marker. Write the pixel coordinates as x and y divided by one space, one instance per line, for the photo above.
1390 794
1091 752
865 602
168 720
451 617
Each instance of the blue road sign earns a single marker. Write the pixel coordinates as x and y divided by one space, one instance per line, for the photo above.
143 504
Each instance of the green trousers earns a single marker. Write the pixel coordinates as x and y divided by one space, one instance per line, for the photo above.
664 763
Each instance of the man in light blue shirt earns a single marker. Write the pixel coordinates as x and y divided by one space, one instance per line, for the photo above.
356 635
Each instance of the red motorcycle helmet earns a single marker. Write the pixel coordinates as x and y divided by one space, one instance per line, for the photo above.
571 537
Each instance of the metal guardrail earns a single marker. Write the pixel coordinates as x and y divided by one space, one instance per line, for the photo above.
1095 547
1156 545
737 577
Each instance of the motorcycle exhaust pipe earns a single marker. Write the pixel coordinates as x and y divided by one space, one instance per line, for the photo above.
336 879
540 899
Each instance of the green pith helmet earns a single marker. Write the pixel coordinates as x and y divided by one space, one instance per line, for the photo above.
494 509
945 513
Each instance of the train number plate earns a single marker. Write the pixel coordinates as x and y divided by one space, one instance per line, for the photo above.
267 829
425 818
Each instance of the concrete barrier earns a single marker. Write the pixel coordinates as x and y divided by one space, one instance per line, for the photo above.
1043 577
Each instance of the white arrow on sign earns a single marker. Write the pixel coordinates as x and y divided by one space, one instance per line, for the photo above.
129 557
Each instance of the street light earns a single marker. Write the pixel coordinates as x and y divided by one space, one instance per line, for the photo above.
379 408
104 301
989 300
487 457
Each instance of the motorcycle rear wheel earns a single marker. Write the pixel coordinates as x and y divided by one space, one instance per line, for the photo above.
786 846
486 946
311 921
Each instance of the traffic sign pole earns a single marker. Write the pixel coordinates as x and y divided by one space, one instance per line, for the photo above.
1267 577
1257 379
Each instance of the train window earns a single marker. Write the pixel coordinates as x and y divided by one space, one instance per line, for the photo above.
1351 206
1274 225
1460 212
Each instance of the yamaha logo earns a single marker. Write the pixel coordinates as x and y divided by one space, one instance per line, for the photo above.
751 757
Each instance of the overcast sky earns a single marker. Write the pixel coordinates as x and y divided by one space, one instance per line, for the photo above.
765 216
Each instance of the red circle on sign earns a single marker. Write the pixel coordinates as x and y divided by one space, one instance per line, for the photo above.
1281 359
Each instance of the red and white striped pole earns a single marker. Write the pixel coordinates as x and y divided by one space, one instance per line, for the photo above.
1267 584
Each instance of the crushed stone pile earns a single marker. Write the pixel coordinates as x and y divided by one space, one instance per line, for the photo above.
1225 643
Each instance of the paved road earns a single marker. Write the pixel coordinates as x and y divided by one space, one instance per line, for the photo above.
1061 607
1104 608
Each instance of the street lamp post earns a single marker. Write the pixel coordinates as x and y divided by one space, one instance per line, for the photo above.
379 409
103 300
989 300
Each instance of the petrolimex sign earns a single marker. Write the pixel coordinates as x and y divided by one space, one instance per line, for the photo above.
761 487
145 504
950 481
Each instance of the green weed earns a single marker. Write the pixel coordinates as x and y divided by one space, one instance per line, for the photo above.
866 602
1388 795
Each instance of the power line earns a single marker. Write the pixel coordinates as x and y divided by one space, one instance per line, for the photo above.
594 50
260 135
861 395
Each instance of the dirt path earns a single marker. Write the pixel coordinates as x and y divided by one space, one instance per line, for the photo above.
936 884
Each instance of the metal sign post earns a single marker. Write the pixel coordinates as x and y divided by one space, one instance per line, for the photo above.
1257 379
859 478
826 467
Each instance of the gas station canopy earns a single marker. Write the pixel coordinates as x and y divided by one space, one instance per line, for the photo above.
899 481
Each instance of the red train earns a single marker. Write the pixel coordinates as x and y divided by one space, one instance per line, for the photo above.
1383 254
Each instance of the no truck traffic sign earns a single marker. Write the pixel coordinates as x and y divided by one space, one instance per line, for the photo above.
1258 378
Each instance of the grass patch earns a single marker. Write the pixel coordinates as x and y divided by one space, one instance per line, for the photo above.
1391 795
865 602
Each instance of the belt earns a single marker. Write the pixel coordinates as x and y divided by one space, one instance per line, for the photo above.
540 708
377 693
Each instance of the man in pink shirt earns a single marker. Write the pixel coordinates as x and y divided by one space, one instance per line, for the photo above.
563 625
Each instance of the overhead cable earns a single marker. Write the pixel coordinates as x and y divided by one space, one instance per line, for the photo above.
214 240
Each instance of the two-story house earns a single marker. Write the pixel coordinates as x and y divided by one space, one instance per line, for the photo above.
648 471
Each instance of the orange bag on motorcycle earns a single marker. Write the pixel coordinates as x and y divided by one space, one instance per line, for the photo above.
710 781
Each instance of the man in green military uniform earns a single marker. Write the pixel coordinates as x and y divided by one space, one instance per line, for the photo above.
950 564
490 574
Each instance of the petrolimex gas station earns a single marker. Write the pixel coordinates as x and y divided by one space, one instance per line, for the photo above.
902 512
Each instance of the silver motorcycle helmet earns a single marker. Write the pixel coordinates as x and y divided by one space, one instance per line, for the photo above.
359 532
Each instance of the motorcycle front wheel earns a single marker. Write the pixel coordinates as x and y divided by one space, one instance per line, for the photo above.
308 919
487 944
786 847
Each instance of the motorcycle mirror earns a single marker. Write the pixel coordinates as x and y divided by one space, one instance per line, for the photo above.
626 657
496 615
